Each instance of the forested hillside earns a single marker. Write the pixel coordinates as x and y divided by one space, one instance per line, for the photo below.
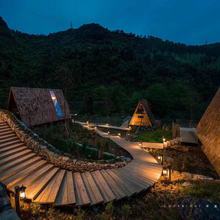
107 72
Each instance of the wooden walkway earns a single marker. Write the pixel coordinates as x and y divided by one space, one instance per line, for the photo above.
49 184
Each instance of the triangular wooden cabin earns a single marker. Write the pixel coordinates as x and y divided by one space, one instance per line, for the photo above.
35 106
142 115
208 131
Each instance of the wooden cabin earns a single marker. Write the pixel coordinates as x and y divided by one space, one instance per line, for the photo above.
35 106
208 131
142 115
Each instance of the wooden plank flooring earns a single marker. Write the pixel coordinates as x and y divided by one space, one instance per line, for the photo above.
49 184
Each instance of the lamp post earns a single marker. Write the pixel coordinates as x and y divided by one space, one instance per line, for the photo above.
19 195
160 158
167 171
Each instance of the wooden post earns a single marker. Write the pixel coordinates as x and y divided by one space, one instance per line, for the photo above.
170 173
17 200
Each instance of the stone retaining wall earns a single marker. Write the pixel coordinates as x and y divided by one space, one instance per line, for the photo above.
45 150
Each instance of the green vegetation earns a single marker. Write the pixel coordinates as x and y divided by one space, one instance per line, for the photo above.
107 72
205 190
153 136
80 143
186 159
159 203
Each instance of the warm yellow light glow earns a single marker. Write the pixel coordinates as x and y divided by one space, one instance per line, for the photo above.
107 125
164 139
140 144
119 134
164 172
22 195
159 157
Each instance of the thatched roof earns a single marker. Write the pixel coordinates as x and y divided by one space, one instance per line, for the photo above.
148 118
208 131
37 106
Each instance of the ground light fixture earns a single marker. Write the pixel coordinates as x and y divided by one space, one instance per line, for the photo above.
119 134
166 172
140 144
160 158
22 192
19 195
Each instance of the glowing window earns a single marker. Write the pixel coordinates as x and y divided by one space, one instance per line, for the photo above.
56 105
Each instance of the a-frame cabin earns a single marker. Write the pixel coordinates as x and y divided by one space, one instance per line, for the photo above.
142 115
35 106
208 131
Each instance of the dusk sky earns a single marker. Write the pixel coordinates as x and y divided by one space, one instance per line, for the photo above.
185 21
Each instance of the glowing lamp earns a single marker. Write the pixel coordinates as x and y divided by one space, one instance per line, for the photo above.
164 139
119 134
165 172
22 192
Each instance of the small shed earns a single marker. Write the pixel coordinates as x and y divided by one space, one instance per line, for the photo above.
208 131
188 135
35 106
142 115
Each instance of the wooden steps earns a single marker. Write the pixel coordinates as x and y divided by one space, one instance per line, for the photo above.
115 188
11 147
104 188
37 186
47 184
14 156
19 167
23 173
66 195
31 178
10 152
7 136
49 193
82 197
6 133
5 140
92 189
16 162
10 143
120 182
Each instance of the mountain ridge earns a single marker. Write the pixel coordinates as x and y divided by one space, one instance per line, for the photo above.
86 60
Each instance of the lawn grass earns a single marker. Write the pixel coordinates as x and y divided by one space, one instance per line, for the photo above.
153 136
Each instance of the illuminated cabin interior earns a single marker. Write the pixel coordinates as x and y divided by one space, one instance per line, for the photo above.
142 115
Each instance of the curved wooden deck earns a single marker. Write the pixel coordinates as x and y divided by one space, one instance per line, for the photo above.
49 184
